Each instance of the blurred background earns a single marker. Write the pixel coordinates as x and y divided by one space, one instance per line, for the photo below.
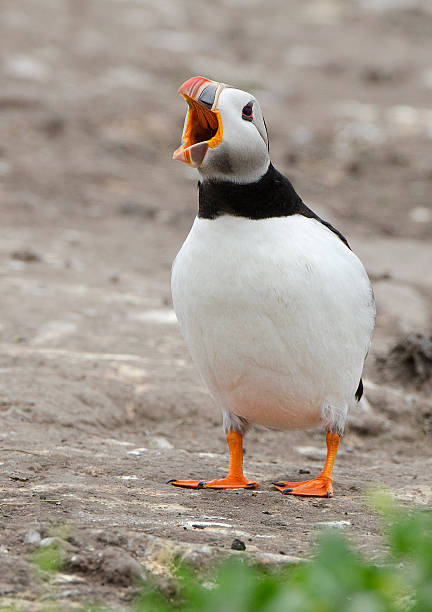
93 211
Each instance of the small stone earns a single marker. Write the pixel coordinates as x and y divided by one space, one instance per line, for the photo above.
161 442
378 74
32 537
274 560
70 593
21 476
52 541
334 524
421 214
26 255
27 67
67 579
238 545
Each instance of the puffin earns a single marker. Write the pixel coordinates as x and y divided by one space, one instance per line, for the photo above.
276 310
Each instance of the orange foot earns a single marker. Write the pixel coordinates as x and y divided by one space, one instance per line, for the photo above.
322 486
223 483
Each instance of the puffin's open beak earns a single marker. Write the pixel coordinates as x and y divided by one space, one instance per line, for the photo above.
203 128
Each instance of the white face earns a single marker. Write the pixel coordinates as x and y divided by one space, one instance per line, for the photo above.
243 155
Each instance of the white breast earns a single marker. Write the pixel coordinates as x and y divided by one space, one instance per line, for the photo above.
277 315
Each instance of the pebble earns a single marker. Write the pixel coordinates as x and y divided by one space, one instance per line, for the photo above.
273 560
204 524
32 537
70 593
21 476
50 542
161 442
421 214
238 545
27 67
164 316
26 255
67 579
334 524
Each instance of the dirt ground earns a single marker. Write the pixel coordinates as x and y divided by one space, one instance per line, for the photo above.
99 401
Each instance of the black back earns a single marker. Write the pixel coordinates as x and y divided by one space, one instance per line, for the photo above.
272 196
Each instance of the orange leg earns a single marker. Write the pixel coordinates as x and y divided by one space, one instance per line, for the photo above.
235 478
322 485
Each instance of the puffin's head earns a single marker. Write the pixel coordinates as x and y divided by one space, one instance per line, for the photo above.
224 134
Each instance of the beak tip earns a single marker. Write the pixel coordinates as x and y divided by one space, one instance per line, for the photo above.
193 155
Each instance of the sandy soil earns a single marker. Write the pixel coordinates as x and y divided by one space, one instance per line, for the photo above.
99 402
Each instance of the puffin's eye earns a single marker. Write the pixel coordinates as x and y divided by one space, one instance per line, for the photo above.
247 111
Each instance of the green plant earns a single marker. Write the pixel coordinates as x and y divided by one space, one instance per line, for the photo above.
49 559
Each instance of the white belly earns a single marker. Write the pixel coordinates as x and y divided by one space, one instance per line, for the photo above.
277 315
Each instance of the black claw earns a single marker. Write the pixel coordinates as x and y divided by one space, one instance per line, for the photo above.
200 485
250 484
285 491
278 484
329 494
172 480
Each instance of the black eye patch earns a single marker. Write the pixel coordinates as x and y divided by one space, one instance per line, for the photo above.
247 111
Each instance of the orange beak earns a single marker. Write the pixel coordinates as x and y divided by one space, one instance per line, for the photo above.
203 129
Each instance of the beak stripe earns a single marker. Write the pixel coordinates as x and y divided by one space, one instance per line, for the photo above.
193 87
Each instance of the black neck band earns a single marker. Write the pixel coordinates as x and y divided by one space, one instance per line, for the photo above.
271 196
